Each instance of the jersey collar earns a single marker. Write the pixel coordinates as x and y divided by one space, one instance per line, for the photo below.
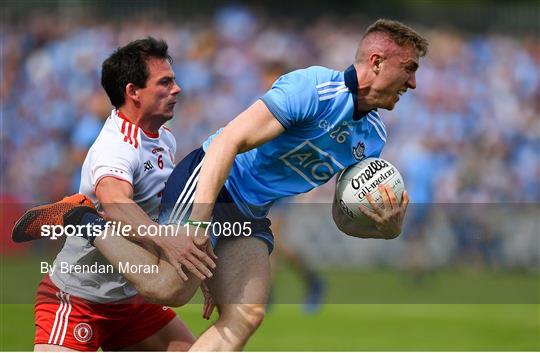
123 116
351 81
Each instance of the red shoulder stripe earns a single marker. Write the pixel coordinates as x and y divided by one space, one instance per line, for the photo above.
129 130
124 123
127 135
135 136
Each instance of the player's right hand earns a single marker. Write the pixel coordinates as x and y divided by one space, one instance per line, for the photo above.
389 215
182 251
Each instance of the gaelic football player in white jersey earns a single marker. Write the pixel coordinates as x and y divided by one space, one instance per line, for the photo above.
124 175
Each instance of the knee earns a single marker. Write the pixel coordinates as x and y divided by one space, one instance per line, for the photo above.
246 317
158 295
256 318
251 316
171 293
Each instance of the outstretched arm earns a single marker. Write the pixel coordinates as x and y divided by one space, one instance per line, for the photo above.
116 196
253 127
164 286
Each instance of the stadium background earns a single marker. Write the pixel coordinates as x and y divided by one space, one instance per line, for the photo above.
467 140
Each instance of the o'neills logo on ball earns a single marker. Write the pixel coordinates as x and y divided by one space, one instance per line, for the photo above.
83 332
368 173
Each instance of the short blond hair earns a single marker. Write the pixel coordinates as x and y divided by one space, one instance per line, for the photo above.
399 33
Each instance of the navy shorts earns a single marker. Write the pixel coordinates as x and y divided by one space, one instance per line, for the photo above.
227 219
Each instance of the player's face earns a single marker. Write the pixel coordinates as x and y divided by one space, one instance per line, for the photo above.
158 98
397 73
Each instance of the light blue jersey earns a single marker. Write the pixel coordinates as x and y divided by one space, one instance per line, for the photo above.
323 135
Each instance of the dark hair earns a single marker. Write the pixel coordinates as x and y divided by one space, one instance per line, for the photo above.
128 64
401 34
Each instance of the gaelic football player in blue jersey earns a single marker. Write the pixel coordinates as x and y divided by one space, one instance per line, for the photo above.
309 126
297 136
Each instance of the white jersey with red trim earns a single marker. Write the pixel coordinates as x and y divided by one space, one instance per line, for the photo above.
125 152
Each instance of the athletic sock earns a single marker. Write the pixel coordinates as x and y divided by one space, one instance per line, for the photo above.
88 217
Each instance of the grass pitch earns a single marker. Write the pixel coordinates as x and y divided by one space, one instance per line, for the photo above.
371 326
346 327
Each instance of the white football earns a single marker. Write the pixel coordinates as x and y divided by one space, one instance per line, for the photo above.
356 181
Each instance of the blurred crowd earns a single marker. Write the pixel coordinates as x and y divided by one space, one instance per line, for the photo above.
470 132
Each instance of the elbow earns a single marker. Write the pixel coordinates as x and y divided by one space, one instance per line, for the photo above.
228 141
160 291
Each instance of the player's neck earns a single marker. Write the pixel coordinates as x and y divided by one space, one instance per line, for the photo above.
135 116
364 105
364 100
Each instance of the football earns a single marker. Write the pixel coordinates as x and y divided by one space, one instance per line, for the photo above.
358 180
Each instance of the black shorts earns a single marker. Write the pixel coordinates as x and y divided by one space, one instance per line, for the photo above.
227 219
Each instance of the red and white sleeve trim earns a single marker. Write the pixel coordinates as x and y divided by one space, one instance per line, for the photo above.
110 176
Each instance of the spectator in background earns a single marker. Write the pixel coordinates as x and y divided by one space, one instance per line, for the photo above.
476 112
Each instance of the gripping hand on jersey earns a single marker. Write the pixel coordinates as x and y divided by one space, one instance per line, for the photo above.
184 251
389 215
116 198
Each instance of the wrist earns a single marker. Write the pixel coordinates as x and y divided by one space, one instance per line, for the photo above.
199 224
202 212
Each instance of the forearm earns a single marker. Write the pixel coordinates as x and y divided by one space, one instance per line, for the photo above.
253 127
163 285
173 244
126 212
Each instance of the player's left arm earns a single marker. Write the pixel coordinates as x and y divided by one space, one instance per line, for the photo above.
252 128
387 217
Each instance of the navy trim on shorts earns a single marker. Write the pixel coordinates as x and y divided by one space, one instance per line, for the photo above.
179 193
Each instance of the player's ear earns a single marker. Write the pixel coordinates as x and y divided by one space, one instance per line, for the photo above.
132 92
375 61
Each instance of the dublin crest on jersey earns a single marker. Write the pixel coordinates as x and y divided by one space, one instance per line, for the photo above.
358 151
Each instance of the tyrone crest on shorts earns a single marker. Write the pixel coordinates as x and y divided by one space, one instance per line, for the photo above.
358 151
83 332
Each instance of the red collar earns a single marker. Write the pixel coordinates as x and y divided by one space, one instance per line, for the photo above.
153 135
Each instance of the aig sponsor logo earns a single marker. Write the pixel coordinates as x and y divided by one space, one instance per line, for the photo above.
311 163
